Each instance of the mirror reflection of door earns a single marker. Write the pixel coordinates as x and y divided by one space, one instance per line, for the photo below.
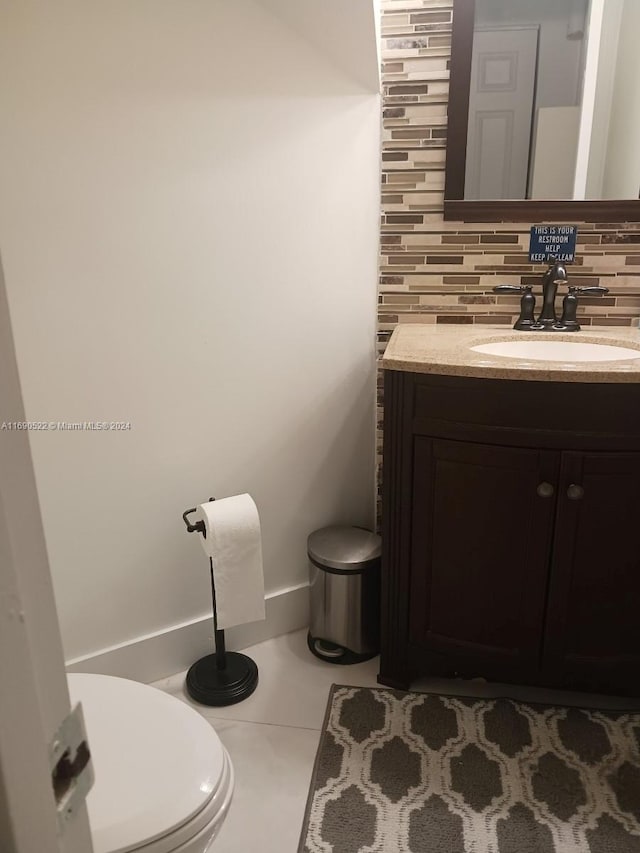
501 106
526 93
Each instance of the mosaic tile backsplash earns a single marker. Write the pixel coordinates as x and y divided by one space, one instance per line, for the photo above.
432 271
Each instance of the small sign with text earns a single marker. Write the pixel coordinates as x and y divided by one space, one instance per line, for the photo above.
553 243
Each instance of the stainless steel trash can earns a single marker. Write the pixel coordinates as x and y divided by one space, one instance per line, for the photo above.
344 567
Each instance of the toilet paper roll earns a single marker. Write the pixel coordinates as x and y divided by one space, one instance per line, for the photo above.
233 542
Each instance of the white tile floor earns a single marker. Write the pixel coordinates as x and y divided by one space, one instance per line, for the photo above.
272 738
273 735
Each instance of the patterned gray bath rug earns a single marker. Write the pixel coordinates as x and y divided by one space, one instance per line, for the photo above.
423 773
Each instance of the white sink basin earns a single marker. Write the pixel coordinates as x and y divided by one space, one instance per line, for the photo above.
549 350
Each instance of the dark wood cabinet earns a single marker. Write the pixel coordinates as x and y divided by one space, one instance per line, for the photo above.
511 531
480 544
592 631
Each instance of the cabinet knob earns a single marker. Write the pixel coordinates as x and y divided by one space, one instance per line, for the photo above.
574 492
545 490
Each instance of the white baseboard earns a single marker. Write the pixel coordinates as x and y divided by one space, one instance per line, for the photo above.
163 653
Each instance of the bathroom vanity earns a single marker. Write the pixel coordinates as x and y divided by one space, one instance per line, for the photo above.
511 510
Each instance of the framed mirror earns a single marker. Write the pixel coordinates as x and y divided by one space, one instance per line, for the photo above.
544 111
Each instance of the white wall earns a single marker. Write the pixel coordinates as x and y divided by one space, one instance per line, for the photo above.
598 94
188 218
553 157
622 167
346 32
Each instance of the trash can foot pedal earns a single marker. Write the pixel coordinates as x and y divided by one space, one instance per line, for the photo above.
325 649
332 653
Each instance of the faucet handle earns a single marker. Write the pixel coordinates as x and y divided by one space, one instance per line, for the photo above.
527 303
594 289
568 321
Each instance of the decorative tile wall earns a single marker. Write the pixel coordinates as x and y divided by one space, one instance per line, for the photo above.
432 271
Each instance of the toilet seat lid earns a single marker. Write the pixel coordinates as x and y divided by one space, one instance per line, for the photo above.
157 762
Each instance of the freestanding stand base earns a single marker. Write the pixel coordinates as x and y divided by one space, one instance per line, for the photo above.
209 685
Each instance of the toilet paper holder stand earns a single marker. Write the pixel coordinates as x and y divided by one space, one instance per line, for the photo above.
221 678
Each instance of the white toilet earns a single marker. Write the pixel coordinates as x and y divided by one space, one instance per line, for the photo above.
163 780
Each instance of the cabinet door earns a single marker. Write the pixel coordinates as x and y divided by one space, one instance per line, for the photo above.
481 534
593 622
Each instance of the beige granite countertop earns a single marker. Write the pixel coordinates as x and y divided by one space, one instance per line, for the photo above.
446 350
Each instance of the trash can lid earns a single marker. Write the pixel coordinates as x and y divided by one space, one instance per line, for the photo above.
346 548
